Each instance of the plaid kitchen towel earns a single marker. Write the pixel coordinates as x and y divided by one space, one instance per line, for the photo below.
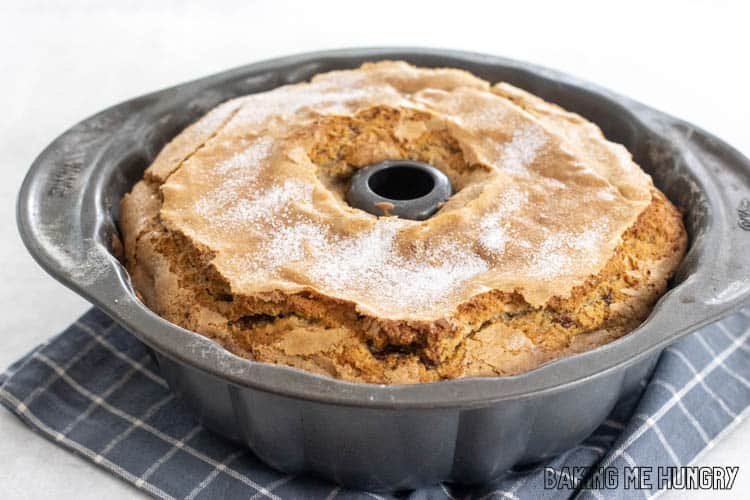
95 390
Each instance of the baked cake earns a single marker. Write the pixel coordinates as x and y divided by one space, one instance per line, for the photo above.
554 242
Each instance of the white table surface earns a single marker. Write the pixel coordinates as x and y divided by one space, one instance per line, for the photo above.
62 62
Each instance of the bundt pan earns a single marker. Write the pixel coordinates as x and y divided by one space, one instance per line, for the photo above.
380 437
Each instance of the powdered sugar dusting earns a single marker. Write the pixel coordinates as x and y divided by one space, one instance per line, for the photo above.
239 171
520 152
246 162
268 203
560 252
605 194
368 267
371 265
486 117
293 243
493 237
493 229
322 97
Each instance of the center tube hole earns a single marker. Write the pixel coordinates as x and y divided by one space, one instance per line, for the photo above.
401 182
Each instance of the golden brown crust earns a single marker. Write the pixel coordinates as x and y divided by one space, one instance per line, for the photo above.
541 200
624 238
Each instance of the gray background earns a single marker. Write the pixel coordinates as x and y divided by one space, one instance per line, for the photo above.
61 62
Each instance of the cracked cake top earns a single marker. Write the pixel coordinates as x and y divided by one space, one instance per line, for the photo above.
542 198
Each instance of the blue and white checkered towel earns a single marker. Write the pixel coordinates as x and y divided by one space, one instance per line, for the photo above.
95 390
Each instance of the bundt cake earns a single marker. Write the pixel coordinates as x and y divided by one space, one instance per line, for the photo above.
553 242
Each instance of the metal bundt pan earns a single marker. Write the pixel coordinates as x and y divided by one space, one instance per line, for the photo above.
380 437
